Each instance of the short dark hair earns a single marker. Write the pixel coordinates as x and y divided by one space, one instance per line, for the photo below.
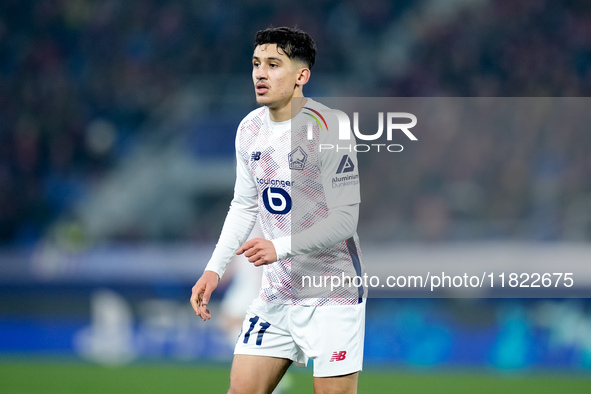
296 43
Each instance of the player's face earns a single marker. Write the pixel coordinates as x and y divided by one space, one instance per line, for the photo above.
275 76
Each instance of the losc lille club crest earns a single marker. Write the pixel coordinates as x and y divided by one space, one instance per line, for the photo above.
297 159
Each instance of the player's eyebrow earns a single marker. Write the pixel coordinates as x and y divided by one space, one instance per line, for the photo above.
268 59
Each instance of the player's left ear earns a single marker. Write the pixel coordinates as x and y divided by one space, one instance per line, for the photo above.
303 76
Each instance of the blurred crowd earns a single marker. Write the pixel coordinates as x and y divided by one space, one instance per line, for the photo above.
507 48
529 181
79 80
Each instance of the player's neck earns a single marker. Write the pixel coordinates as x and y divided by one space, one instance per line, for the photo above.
288 110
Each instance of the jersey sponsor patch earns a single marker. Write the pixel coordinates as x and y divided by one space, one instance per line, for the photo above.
346 165
277 200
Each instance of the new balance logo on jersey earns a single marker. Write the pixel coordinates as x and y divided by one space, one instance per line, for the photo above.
346 165
255 156
338 356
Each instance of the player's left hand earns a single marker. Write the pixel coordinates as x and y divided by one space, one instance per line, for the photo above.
258 251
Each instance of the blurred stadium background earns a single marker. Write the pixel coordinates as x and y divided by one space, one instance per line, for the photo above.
117 166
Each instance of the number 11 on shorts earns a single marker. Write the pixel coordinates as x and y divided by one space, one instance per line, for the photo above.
253 321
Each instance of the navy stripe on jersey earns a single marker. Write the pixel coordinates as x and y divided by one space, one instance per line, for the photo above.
352 248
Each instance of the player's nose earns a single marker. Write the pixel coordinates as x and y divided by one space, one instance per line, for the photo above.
260 73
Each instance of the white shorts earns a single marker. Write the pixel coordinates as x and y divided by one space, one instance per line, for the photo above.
332 336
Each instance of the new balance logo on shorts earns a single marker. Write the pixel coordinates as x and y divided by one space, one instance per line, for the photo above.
338 356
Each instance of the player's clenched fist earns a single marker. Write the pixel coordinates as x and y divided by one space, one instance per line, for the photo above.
259 251
202 293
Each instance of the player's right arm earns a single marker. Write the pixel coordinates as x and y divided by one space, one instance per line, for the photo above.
202 292
239 222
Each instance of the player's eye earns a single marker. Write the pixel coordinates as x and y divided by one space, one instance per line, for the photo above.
255 64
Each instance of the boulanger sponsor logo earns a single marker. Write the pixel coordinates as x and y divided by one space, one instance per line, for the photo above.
274 182
297 159
277 200
395 122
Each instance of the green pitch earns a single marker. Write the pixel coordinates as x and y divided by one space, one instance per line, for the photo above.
32 377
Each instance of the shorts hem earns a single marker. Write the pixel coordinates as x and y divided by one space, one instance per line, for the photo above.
332 374
264 353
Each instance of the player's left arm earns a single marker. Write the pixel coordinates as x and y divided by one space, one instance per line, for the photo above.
339 226
340 179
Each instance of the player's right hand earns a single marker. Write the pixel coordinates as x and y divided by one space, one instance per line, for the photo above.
259 251
202 293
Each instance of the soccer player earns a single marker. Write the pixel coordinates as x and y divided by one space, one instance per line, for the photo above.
308 203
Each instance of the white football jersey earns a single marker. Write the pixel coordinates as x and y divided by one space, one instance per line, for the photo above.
296 184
